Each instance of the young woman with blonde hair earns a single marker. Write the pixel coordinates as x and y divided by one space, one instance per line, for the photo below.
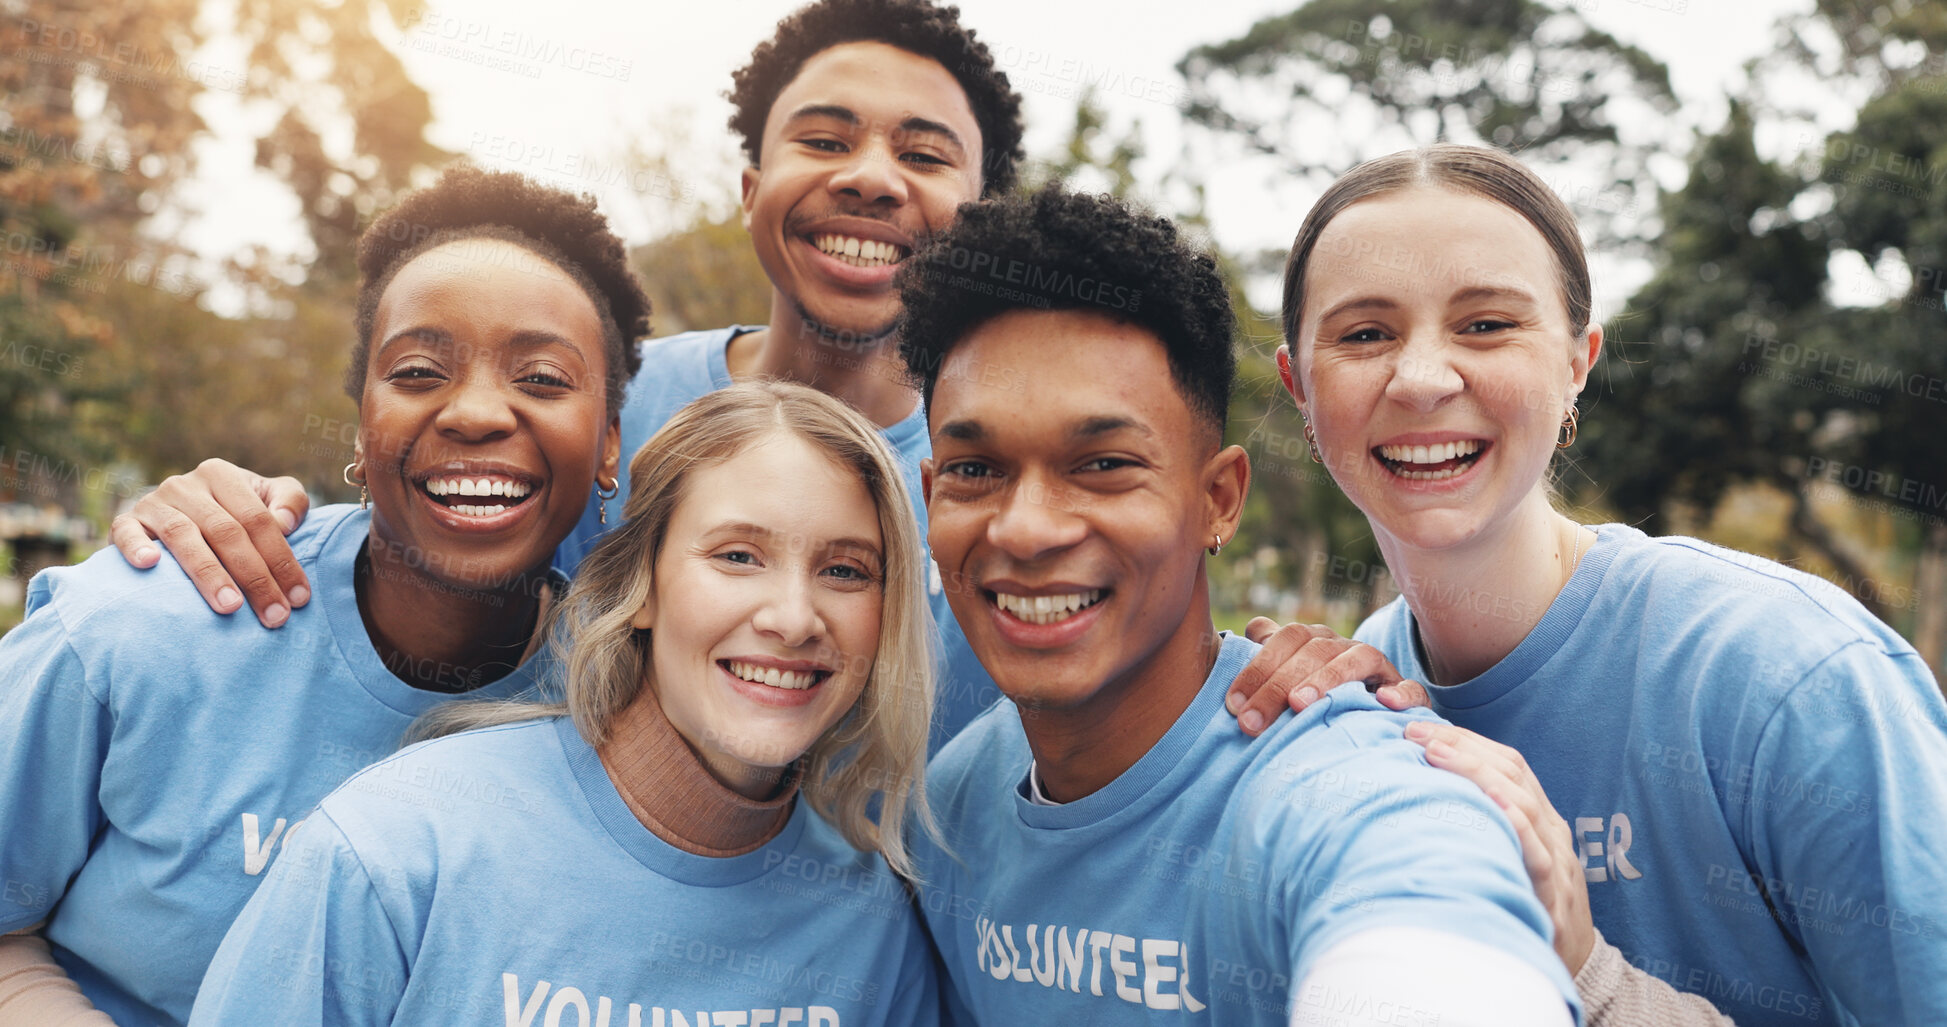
754 633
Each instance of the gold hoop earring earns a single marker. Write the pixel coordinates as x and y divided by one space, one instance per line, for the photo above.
1570 424
1217 545
364 494
1311 443
606 493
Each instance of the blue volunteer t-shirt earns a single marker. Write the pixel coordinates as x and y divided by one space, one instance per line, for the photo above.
1755 769
155 756
681 368
412 897
1208 877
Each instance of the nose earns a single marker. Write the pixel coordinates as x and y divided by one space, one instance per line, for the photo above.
1424 374
872 174
1035 520
475 411
789 612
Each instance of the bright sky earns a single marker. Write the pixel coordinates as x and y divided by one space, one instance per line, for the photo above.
608 73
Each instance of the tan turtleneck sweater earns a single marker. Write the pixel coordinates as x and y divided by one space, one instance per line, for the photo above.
675 796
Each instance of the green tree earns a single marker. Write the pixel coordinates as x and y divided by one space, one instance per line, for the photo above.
99 116
1734 366
1335 82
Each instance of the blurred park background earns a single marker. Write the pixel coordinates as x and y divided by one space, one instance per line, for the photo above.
1763 186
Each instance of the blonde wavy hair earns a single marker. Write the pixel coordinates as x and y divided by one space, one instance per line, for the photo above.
878 749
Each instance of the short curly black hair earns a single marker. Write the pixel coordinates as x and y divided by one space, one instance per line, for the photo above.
560 227
916 26
1060 250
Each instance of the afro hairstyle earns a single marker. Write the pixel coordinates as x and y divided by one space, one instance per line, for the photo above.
1060 250
560 227
916 26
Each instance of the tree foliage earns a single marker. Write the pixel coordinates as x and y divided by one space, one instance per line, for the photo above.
112 352
1753 358
1332 83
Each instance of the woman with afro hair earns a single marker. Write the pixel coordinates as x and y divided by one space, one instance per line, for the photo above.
155 757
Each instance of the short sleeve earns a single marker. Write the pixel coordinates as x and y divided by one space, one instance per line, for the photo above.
315 944
54 736
1843 809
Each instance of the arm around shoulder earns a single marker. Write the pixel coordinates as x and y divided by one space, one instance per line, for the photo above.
1616 994
36 992
225 526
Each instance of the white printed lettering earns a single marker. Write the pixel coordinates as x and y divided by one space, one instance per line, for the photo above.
255 855
1591 849
1619 836
510 985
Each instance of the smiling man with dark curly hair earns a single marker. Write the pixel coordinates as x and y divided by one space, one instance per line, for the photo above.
1114 847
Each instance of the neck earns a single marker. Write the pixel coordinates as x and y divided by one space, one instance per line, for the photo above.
676 797
1474 603
1078 750
864 373
438 637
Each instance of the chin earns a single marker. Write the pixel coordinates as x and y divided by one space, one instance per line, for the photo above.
1433 529
861 327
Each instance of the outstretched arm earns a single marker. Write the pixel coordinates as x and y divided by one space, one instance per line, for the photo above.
226 527
1454 981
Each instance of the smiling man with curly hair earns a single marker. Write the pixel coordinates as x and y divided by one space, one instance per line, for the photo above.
1113 846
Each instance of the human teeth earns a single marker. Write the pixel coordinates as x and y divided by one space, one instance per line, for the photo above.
1438 453
477 487
477 511
794 680
857 252
1047 609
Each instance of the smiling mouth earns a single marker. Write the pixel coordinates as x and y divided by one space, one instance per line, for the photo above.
477 495
850 249
1046 609
791 680
1431 463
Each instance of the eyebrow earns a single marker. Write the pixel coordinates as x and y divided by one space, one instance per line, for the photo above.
912 123
1087 428
1097 426
432 335
1472 292
1492 292
1364 303
963 431
749 528
424 333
